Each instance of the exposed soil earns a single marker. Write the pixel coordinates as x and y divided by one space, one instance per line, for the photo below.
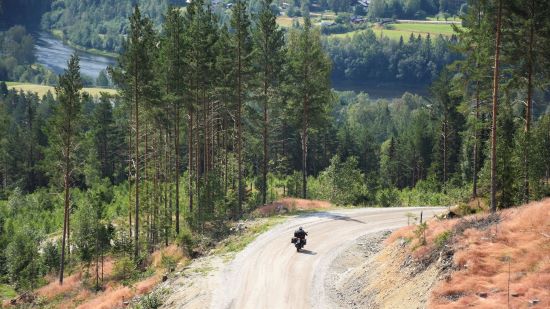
369 275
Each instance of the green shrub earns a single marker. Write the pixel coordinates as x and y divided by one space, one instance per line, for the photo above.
388 197
168 262
442 239
122 243
341 183
186 240
50 256
22 259
420 233
152 300
124 268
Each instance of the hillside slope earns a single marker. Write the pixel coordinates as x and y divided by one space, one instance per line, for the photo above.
481 261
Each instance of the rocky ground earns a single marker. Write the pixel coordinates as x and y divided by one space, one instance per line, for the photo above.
340 291
192 286
370 274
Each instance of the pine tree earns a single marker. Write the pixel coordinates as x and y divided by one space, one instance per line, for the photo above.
450 125
527 52
173 51
200 40
104 139
269 43
65 135
496 77
134 77
476 44
309 85
242 46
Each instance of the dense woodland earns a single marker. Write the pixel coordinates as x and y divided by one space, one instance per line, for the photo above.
215 119
414 60
415 9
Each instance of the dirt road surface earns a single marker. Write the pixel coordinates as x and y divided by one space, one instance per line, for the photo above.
269 273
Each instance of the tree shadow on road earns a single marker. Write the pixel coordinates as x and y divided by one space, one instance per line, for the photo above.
332 216
308 252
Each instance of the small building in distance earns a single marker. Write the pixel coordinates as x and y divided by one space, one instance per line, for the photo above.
364 3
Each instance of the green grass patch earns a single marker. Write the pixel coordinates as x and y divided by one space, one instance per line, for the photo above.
432 29
396 31
344 35
442 239
7 292
236 243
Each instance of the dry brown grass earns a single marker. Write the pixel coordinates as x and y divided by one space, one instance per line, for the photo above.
518 247
435 228
172 251
53 289
523 238
73 293
147 285
114 295
291 204
481 256
110 298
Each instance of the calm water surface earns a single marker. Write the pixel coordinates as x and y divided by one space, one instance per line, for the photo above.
54 54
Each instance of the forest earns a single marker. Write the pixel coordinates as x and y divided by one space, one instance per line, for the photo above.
365 58
415 9
214 119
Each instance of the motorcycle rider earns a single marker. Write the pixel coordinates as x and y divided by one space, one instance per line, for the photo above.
301 234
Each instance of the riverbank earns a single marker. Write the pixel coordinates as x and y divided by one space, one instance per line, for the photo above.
58 34
54 53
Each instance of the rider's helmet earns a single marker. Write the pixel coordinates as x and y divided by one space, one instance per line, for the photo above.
301 229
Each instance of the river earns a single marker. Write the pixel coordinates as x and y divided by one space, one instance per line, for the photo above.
54 54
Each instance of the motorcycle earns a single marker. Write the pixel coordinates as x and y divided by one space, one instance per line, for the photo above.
298 243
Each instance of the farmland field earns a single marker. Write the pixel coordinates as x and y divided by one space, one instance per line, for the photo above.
444 29
42 90
286 22
397 30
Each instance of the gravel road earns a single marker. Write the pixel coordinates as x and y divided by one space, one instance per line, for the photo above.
269 273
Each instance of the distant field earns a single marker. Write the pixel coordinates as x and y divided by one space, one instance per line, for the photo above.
444 29
286 22
404 30
41 90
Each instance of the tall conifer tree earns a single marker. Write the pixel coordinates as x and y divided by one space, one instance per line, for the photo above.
269 44
64 137
309 84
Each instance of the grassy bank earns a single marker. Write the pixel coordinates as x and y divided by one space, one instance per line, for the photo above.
488 260
59 34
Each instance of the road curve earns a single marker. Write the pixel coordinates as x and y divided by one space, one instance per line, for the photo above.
269 273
